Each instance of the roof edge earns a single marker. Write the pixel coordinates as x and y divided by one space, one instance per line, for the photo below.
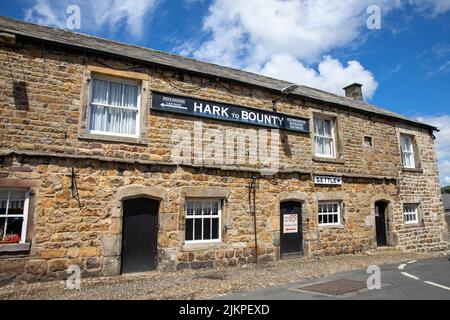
394 116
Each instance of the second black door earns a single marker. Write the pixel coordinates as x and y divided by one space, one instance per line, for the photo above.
291 236
139 235
380 223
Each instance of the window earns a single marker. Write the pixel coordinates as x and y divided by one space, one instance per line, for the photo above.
368 141
406 143
324 137
410 212
203 221
13 215
329 213
114 107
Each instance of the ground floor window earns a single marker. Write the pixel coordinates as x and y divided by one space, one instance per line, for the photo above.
410 213
329 213
203 219
13 215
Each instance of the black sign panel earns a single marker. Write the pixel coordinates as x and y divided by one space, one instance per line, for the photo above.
226 112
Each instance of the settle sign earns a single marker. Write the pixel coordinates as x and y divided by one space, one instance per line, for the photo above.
334 181
226 112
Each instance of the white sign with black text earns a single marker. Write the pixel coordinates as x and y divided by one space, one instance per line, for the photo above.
326 180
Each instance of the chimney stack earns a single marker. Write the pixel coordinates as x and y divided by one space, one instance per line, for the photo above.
354 91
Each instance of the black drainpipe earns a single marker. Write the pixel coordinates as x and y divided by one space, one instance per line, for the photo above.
252 191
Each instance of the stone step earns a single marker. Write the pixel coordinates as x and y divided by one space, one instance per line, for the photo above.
387 249
383 250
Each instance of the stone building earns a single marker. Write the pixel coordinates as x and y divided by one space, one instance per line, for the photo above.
117 158
446 198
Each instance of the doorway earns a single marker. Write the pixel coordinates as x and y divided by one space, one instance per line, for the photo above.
380 223
139 235
291 233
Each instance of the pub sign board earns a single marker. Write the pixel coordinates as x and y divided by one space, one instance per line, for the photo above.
227 112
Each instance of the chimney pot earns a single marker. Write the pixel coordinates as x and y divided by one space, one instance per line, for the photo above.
354 91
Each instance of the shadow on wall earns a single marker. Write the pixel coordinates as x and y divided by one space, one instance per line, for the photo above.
20 95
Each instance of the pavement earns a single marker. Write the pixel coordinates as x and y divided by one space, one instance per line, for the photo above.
427 279
241 282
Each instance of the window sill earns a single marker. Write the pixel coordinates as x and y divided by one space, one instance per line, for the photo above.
14 247
416 170
112 138
325 227
201 246
329 160
412 224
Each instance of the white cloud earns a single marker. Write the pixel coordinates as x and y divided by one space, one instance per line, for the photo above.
259 29
331 75
431 8
288 39
445 67
44 14
190 3
284 39
442 122
131 12
95 15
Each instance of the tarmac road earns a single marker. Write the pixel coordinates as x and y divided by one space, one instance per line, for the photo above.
414 280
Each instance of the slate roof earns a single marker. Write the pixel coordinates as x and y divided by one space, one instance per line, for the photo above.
150 56
446 198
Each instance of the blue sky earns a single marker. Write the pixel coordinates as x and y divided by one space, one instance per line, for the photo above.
404 65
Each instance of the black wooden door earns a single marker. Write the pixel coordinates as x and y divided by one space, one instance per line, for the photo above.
139 235
380 223
291 236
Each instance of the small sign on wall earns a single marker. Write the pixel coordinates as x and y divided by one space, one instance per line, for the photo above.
326 180
290 223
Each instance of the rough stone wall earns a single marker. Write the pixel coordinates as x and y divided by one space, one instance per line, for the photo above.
87 232
422 187
41 90
49 121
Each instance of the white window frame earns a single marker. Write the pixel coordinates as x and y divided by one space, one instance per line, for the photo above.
410 139
193 217
415 213
117 80
24 216
333 136
338 223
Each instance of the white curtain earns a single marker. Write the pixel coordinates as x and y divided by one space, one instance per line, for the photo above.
407 151
323 137
114 107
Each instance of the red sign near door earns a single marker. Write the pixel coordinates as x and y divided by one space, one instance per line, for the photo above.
290 223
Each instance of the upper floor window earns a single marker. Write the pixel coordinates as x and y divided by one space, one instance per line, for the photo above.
407 146
13 215
114 106
203 218
324 138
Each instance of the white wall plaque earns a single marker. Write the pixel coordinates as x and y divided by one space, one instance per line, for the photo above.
327 180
